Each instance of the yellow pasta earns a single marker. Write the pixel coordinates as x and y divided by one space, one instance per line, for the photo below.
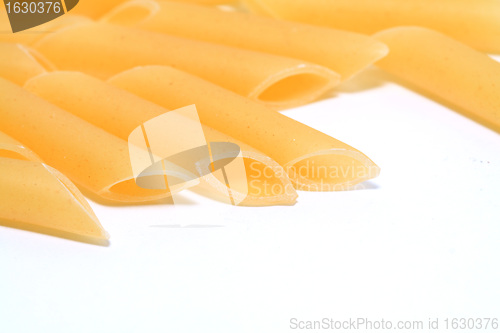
36 195
92 158
103 50
475 22
30 36
313 160
95 8
120 112
344 52
445 68
19 63
14 149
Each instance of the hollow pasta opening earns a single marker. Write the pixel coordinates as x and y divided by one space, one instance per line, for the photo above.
266 184
264 180
294 87
129 189
334 170
12 154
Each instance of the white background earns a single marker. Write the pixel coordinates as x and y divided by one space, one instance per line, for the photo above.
420 241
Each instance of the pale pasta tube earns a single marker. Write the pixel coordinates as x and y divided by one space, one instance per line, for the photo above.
344 52
102 50
97 8
34 194
30 36
120 112
14 149
19 63
313 160
92 158
445 68
474 22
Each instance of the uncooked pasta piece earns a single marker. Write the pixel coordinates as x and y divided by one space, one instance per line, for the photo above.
343 52
95 8
445 68
120 112
19 63
208 2
313 160
38 197
30 36
267 181
14 149
475 22
103 50
92 158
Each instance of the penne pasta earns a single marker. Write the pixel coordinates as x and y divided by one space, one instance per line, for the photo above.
120 112
19 63
447 69
475 22
92 158
344 52
30 36
103 50
313 160
37 195
34 194
97 8
10 148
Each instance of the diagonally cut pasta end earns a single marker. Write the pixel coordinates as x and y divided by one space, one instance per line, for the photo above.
331 170
38 198
372 52
267 184
37 57
127 191
294 87
91 229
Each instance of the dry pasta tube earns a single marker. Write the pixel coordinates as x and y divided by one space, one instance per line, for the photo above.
103 50
120 112
208 2
475 22
92 158
344 52
11 148
97 8
19 63
313 160
445 68
37 195
30 36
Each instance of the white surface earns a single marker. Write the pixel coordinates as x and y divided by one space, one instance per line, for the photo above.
420 241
